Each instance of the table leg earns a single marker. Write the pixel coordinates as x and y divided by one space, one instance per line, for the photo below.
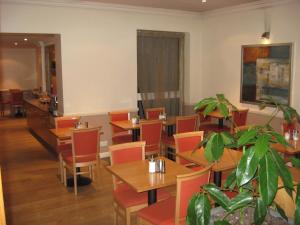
218 178
135 134
170 130
297 156
152 196
221 123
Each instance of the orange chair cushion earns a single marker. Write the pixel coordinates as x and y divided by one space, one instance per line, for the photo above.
127 197
68 158
160 213
121 138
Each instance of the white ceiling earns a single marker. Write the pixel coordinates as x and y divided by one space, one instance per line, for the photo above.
186 5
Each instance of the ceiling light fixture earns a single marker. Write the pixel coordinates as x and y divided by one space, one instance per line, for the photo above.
203 1
25 39
16 43
265 35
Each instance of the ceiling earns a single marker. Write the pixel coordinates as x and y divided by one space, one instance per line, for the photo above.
186 5
8 40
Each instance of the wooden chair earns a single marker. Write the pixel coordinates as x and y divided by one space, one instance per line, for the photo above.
151 132
16 101
119 135
64 145
153 113
239 118
183 124
186 142
3 102
85 152
174 210
127 200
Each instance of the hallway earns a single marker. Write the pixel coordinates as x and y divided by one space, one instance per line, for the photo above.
32 191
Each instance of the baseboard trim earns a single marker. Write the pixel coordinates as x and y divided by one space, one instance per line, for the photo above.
104 155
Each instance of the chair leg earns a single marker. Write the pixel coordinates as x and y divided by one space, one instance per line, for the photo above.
127 217
61 168
91 172
65 175
75 180
115 214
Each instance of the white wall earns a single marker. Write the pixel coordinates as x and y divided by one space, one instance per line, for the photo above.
223 36
18 68
98 47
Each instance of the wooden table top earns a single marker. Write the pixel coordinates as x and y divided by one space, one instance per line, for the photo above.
128 125
228 161
137 176
63 133
295 149
217 114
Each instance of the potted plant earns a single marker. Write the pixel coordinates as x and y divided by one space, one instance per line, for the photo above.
256 177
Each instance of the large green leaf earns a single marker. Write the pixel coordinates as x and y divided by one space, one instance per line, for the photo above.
247 136
279 138
262 145
227 138
297 211
240 201
246 167
260 212
209 108
217 195
203 103
214 148
198 210
222 222
283 171
295 162
230 180
268 179
223 109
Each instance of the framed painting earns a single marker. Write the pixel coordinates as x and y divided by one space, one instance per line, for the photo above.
266 71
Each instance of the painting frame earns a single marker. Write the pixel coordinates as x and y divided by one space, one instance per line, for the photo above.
265 65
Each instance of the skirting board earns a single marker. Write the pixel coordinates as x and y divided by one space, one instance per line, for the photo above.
104 155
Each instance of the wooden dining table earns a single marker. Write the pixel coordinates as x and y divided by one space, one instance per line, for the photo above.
218 115
63 133
292 150
135 128
228 161
136 174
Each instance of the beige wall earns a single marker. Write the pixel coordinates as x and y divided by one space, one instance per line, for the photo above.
223 36
18 68
98 47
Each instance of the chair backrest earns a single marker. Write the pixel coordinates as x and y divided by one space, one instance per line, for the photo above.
186 142
186 123
289 127
187 186
16 97
118 116
127 152
66 121
240 117
153 113
202 118
85 144
151 133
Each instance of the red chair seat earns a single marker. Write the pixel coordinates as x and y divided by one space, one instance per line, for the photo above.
161 213
152 148
68 158
128 197
231 194
123 137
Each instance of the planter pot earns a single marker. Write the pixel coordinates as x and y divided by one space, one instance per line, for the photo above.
273 217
